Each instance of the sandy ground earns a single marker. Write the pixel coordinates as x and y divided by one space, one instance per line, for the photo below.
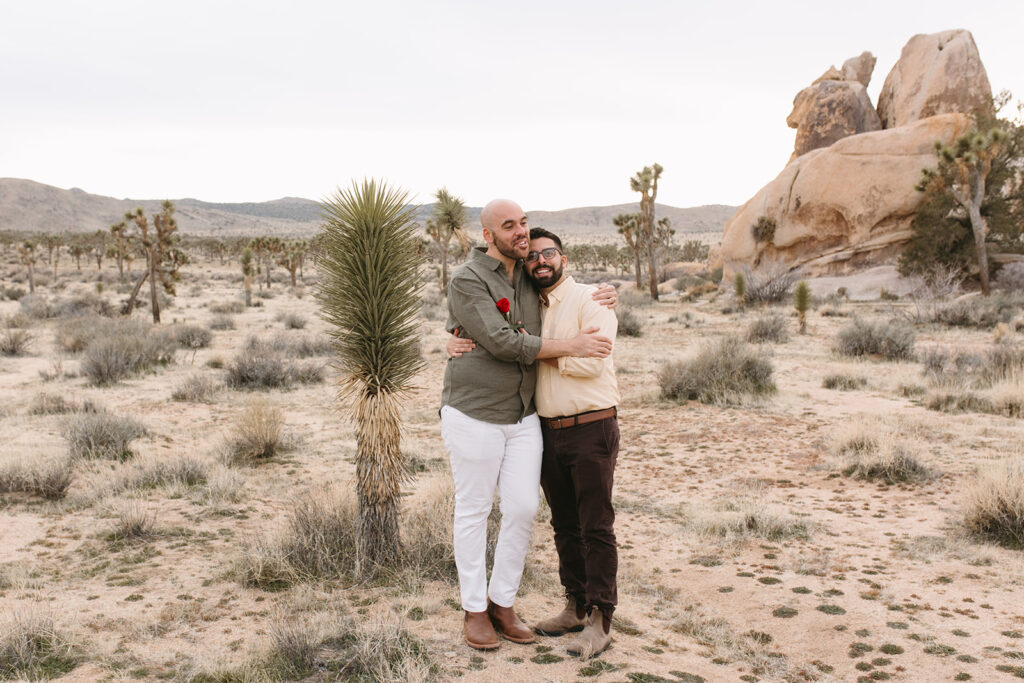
884 585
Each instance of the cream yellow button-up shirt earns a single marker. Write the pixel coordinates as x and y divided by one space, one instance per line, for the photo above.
577 385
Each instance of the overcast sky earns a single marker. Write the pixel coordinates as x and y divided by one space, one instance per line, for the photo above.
552 103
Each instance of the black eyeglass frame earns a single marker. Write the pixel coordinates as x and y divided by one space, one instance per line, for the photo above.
535 255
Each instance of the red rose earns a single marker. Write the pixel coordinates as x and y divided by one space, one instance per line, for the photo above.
502 305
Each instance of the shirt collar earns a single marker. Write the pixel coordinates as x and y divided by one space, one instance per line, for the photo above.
562 290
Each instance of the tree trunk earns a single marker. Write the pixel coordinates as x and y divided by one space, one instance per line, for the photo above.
154 300
248 291
979 226
652 268
120 267
291 271
78 263
444 268
31 278
135 293
379 474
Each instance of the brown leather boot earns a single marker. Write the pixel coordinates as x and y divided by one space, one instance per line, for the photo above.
479 631
509 625
572 618
595 637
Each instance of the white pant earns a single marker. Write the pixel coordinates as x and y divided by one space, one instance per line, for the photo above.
485 456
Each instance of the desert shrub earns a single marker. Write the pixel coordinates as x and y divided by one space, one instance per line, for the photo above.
953 399
82 304
978 311
32 647
256 370
994 505
721 372
763 230
890 340
310 372
49 478
132 521
216 362
292 321
15 342
222 322
17 320
152 471
227 307
191 336
1011 278
292 345
12 293
868 450
885 295
266 293
256 434
844 382
36 306
196 389
632 298
833 311
629 323
769 327
123 349
45 403
770 283
101 435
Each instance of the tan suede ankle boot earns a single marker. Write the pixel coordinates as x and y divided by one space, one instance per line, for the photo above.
595 637
572 618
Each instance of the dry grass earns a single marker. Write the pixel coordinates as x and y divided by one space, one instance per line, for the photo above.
993 508
292 320
101 435
33 647
256 435
740 519
222 322
132 522
49 478
873 450
722 372
768 327
726 644
15 342
190 336
844 382
196 389
888 340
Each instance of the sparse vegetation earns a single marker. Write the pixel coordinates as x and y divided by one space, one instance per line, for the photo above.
768 327
15 342
722 372
844 382
101 435
629 323
197 388
256 434
888 340
33 647
191 336
994 505
870 450
48 478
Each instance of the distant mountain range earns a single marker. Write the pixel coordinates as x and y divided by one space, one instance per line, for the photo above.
26 205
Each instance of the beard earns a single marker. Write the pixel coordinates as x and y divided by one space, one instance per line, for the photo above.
508 250
551 278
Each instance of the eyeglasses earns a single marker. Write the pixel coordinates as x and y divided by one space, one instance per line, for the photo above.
548 254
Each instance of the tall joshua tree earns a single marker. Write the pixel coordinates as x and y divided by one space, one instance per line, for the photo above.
159 245
369 294
245 260
446 223
962 172
629 227
646 183
27 255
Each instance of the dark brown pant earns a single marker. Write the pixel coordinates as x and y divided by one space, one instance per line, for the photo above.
577 474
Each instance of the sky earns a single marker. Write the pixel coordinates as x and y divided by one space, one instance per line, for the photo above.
554 104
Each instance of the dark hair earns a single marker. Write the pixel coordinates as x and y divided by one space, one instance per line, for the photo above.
541 232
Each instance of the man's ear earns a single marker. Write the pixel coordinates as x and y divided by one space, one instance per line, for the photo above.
488 236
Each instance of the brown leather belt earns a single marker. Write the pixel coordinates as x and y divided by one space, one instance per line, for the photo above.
581 419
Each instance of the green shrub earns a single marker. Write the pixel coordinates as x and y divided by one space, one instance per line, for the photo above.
721 372
769 327
890 340
763 230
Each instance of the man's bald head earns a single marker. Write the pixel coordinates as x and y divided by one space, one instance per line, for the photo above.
497 211
505 229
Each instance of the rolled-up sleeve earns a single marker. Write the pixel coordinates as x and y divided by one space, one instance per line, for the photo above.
471 305
592 314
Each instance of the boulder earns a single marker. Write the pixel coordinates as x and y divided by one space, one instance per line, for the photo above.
830 110
859 68
846 206
938 73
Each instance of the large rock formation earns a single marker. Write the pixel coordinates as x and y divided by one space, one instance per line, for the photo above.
847 199
835 106
846 206
936 74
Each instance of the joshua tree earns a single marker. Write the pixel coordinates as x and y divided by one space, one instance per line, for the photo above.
52 243
739 285
27 254
77 250
120 246
292 255
246 262
447 222
802 302
163 257
629 227
646 183
962 173
369 293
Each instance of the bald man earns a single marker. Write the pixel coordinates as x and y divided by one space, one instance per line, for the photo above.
488 420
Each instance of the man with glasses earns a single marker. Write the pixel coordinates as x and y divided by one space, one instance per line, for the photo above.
576 399
488 419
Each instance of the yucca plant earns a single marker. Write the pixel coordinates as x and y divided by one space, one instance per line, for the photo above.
802 302
369 294
447 222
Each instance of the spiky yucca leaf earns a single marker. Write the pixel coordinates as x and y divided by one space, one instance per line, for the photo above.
369 293
369 287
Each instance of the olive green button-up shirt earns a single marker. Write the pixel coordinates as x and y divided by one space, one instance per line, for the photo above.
494 382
